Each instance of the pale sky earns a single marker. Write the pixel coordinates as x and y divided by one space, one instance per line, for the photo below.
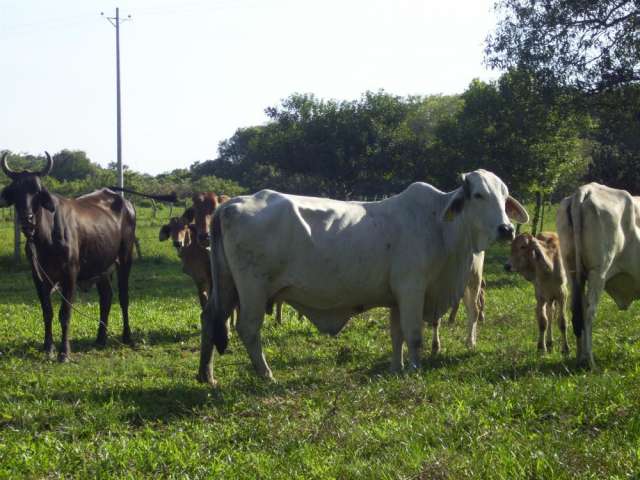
194 71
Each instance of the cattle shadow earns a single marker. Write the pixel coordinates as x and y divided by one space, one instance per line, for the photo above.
565 367
152 404
33 349
381 366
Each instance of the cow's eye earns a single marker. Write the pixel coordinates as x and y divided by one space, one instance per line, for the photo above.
478 196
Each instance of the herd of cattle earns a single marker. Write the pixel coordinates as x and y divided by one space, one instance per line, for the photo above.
418 253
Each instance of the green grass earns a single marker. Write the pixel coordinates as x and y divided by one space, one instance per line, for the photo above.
501 411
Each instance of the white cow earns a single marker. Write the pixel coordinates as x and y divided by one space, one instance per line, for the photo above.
599 230
331 260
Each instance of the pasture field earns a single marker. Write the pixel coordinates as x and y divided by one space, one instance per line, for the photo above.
502 411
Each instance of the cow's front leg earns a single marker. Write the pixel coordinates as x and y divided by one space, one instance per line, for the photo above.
397 340
68 293
44 294
411 303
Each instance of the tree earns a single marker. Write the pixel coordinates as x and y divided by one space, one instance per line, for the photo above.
615 139
72 165
511 128
593 45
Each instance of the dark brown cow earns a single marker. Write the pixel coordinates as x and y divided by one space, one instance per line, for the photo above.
204 204
70 242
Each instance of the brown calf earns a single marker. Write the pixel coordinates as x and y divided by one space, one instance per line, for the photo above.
195 258
538 260
204 204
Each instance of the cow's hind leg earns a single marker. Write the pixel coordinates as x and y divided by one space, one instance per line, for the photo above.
397 340
252 311
472 305
411 304
562 324
541 315
68 293
123 294
595 287
106 295
551 310
435 338
453 314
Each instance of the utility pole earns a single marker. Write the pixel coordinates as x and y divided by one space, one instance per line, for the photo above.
116 21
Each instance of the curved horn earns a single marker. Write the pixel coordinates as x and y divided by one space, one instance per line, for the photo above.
47 167
5 166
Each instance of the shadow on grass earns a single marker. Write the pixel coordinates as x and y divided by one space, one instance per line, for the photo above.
563 368
33 350
382 365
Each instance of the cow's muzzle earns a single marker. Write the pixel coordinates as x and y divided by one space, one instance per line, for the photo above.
506 232
508 267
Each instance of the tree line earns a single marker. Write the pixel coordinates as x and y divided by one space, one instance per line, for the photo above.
566 111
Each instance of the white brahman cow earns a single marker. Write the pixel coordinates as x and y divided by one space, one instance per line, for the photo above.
331 259
599 235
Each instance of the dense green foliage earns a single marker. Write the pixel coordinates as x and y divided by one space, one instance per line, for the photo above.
381 143
590 44
502 411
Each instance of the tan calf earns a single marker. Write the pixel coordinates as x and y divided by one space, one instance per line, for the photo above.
538 260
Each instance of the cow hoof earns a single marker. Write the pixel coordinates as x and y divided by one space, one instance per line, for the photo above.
586 364
50 352
396 369
207 378
565 350
413 368
63 357
100 342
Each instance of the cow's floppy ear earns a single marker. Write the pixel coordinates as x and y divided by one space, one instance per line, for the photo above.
515 211
46 200
189 215
165 233
455 205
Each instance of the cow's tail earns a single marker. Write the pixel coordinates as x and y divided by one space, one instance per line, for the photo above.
574 212
224 297
170 198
